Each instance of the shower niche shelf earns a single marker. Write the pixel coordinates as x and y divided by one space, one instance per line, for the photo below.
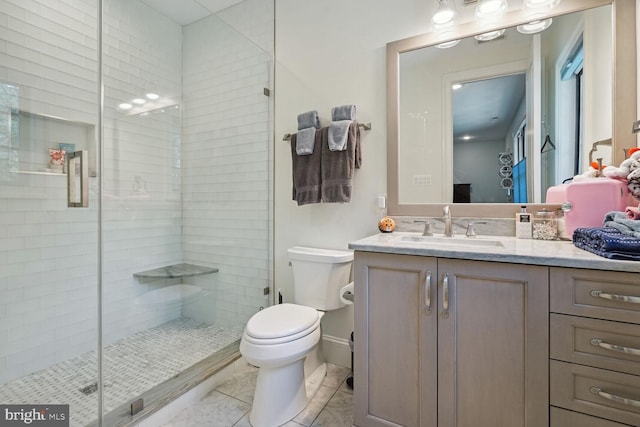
176 271
33 134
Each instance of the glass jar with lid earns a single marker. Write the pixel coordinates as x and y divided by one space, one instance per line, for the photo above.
545 225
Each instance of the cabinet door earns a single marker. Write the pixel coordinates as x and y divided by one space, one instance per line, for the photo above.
493 344
395 355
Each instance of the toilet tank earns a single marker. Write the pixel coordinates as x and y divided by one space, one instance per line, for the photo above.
318 275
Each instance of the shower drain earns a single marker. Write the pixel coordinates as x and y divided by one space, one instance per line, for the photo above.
91 388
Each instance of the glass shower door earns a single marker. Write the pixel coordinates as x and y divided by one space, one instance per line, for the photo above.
187 203
48 250
160 267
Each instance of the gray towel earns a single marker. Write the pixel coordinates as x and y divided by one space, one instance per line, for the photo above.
338 134
309 119
622 223
306 172
338 166
343 112
307 124
305 140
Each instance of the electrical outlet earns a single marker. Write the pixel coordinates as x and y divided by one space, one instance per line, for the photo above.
422 179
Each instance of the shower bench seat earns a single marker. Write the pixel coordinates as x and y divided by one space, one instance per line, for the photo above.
176 271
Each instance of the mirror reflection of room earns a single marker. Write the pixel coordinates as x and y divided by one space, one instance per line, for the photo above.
489 119
550 121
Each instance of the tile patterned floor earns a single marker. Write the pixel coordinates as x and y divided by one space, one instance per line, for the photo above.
230 403
131 366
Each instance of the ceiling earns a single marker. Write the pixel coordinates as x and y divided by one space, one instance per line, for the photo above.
485 109
185 12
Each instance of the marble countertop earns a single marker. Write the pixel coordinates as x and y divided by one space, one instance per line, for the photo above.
492 248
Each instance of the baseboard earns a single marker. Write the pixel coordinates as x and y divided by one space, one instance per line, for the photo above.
336 350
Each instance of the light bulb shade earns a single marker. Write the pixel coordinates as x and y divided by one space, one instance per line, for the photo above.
534 26
485 37
540 4
447 45
490 9
445 13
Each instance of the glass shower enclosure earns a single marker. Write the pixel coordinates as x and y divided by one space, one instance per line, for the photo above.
135 199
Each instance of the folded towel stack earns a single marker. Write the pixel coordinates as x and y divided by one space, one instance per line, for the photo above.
633 212
607 242
341 118
622 223
307 124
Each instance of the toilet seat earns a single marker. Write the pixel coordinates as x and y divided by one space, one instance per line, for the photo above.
281 323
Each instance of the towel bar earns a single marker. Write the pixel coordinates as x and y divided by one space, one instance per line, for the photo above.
363 126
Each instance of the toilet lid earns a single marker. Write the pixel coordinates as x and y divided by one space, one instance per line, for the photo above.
281 320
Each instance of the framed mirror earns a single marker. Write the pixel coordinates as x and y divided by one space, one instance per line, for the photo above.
445 143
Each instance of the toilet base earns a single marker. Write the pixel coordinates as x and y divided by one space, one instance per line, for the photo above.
281 393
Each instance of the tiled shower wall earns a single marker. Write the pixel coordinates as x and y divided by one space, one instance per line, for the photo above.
48 254
142 183
226 159
210 197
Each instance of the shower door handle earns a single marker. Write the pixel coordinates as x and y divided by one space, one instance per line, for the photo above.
78 179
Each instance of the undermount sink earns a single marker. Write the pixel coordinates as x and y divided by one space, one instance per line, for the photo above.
443 242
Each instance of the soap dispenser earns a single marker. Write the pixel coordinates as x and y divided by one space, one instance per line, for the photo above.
523 224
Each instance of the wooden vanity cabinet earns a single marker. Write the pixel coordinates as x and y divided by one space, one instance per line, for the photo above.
595 348
449 343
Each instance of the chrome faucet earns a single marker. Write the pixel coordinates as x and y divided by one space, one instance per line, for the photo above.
448 229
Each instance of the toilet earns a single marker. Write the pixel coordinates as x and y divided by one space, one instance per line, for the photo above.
284 340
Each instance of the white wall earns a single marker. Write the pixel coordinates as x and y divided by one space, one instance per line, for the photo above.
331 53
323 61
477 164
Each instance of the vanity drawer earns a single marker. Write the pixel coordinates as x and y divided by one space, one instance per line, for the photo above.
563 418
595 293
597 392
599 343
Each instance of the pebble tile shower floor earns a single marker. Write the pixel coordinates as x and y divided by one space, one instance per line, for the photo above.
131 366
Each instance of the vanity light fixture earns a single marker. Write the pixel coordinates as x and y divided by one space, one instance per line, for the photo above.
138 101
125 106
539 4
152 96
445 13
447 45
491 35
534 26
490 9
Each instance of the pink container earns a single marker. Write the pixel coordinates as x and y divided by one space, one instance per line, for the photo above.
590 201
